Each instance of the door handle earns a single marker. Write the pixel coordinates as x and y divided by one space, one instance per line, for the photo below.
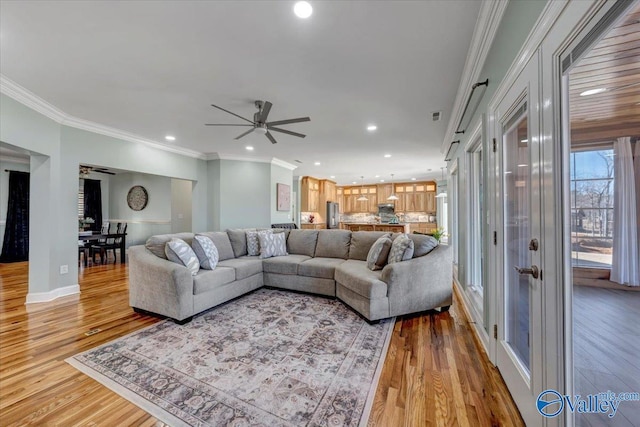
534 271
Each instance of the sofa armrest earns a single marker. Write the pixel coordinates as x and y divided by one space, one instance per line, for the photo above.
159 285
421 283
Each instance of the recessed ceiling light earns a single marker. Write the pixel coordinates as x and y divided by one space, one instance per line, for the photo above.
248 147
382 180
387 155
302 9
413 179
354 182
332 176
317 163
593 91
170 138
377 176
371 128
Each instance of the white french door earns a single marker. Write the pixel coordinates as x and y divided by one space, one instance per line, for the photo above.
519 245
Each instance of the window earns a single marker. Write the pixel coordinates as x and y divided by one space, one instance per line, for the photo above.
475 218
81 200
454 213
592 207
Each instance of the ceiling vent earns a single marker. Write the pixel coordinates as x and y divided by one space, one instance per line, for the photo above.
436 116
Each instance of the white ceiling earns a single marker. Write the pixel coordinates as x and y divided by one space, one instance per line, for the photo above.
153 68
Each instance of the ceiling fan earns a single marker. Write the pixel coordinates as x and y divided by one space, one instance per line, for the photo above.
260 125
86 170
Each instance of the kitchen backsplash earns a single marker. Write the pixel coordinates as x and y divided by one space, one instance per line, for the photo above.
408 217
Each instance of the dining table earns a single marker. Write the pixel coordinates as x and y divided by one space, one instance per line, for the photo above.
92 236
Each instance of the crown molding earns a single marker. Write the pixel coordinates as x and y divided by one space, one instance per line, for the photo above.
489 18
22 160
33 101
283 164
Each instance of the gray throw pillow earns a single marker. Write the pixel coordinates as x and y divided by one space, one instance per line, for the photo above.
253 243
180 252
272 244
206 252
238 239
423 244
378 254
401 249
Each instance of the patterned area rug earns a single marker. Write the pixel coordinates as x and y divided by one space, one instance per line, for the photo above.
270 358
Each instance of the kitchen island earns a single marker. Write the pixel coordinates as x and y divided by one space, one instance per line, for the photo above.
365 226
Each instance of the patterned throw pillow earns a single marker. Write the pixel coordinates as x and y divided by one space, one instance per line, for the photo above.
272 244
253 243
378 254
401 249
206 252
180 252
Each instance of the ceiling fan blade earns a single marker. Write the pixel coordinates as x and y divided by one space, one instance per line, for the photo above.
286 122
299 135
271 138
264 112
219 124
244 134
233 114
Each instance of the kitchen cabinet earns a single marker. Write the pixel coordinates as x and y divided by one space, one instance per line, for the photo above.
431 205
340 199
390 228
328 192
384 191
310 194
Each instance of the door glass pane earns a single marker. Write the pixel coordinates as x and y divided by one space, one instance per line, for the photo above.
517 186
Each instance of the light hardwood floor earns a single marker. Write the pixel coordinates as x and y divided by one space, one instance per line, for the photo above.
434 373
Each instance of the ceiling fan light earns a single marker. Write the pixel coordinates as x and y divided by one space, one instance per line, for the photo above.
260 130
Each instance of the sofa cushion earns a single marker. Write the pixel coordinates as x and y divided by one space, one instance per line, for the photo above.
180 252
222 242
156 243
245 266
422 244
378 254
333 244
283 264
238 239
272 244
206 252
355 276
207 280
401 249
361 242
302 242
319 267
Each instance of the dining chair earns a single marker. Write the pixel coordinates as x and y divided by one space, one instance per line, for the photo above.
114 243
98 245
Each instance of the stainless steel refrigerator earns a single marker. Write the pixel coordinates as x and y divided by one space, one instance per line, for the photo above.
333 215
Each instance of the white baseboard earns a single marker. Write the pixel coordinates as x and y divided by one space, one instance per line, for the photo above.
35 297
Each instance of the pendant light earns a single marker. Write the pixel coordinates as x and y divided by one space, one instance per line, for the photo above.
393 191
441 194
362 197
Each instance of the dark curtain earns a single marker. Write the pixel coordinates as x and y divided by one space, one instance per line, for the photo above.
93 203
15 246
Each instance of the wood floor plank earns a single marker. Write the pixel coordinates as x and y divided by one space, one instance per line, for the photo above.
434 373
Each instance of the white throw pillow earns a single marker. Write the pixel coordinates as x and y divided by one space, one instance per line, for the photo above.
272 244
401 249
253 243
178 251
206 252
378 254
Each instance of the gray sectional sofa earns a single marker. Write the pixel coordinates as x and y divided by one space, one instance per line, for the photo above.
325 262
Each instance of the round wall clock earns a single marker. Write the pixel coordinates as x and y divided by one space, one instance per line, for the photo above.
137 198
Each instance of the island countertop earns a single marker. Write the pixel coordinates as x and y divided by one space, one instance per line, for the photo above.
366 226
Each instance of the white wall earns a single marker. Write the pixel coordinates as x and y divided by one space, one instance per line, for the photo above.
181 205
155 218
